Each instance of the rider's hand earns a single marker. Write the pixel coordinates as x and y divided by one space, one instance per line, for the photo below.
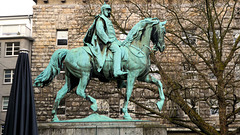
111 40
119 43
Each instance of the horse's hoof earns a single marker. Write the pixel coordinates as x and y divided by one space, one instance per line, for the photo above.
127 117
94 107
160 105
55 119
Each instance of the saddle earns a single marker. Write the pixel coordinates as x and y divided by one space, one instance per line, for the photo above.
108 55
107 69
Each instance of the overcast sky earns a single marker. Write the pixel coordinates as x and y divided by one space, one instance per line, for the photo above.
16 7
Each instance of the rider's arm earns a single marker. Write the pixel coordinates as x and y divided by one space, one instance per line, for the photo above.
101 32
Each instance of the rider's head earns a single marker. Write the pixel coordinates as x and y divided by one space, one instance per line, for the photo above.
106 10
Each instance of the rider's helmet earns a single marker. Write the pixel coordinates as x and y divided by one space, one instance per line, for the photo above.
105 6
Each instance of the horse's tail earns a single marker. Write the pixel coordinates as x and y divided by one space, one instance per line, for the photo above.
52 69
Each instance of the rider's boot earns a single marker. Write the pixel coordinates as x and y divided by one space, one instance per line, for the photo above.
99 61
116 64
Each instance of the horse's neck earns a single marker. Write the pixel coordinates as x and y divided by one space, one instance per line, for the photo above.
144 42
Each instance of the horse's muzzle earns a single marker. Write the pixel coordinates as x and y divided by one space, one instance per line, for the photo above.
162 49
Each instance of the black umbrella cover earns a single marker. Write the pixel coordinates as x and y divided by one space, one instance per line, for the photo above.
21 115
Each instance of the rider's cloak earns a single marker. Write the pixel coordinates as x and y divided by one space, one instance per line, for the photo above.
97 46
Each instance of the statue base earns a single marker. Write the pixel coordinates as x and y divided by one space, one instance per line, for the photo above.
96 118
102 128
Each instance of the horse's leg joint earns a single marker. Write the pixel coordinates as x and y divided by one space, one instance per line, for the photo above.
81 93
94 103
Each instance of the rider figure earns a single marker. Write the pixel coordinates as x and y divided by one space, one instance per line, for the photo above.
106 35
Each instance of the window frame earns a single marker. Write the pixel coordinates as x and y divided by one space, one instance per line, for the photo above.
218 36
11 76
236 33
237 71
189 71
214 107
190 34
196 107
2 129
59 38
238 106
13 49
4 103
211 76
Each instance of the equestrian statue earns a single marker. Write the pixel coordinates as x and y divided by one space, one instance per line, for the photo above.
106 58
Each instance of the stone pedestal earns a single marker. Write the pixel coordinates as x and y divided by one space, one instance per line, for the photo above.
102 128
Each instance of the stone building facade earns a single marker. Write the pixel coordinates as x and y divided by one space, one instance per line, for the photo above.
63 24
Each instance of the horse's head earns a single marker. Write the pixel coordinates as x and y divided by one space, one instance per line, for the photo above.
157 36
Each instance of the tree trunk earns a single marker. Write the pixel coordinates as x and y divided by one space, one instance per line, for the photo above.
222 105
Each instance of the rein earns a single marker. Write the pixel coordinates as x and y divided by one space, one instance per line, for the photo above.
140 50
149 48
137 48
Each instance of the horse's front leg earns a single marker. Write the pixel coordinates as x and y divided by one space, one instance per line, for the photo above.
151 79
83 82
131 78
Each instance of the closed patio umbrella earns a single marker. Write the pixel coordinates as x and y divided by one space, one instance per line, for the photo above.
21 115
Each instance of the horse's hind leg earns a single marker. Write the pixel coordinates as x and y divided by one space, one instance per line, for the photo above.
151 79
60 94
83 81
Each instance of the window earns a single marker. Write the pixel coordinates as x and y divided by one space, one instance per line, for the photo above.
214 111
237 13
5 103
218 36
12 48
2 129
173 109
193 104
189 37
236 33
8 76
189 71
62 37
237 71
212 76
238 106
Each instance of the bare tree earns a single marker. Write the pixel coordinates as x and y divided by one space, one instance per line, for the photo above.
200 66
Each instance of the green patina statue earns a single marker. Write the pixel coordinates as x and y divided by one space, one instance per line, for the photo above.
130 61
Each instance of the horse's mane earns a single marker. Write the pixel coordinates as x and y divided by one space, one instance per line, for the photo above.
137 29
